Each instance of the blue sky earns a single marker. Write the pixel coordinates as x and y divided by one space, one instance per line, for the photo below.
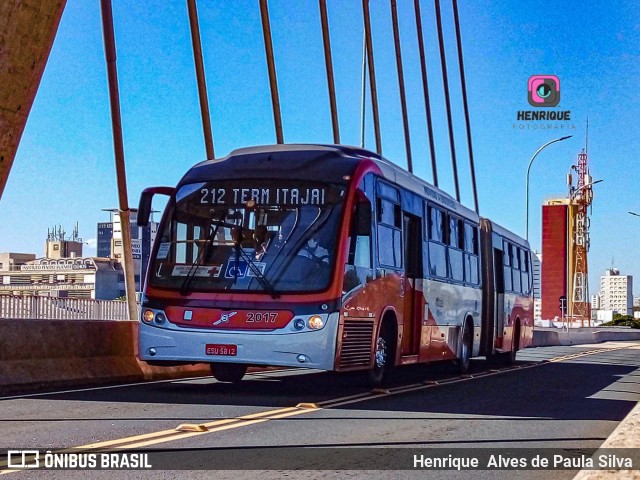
64 170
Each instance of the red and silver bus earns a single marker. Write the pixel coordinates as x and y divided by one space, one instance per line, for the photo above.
331 258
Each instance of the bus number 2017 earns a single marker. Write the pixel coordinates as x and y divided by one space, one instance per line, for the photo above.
257 317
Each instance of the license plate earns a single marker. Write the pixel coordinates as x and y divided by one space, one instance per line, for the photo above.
221 349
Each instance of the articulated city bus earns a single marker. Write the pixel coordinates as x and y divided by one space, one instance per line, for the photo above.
327 257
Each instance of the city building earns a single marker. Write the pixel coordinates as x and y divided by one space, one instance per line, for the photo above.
142 238
57 246
616 292
63 272
95 278
105 235
554 271
595 302
565 247
8 261
537 285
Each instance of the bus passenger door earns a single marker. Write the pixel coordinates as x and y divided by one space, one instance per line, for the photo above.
413 298
498 269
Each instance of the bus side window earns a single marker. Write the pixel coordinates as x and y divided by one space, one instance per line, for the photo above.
526 284
389 234
358 270
507 254
454 251
508 285
437 249
516 270
471 254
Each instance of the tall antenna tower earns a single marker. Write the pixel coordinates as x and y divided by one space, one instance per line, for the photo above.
580 198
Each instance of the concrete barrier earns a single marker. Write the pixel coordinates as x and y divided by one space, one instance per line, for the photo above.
545 336
35 354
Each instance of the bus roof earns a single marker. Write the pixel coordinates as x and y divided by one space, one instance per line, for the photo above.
305 162
312 162
509 235
415 184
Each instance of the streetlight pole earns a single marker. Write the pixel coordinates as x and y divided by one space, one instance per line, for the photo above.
527 185
589 185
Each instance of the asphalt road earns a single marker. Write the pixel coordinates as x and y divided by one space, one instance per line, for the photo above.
255 429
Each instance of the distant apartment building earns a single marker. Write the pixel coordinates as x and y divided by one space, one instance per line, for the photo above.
142 238
537 285
105 235
616 292
595 302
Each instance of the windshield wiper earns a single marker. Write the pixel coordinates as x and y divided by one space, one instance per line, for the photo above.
262 280
204 252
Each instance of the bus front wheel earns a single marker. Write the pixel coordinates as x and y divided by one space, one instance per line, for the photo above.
228 372
383 355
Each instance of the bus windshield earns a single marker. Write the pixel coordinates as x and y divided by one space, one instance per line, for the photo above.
257 236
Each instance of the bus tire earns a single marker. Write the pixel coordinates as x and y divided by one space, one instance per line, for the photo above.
509 358
228 372
383 355
466 349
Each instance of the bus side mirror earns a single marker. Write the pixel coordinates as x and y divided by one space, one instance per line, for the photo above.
363 218
144 207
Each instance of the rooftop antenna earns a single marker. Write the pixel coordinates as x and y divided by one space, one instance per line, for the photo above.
586 140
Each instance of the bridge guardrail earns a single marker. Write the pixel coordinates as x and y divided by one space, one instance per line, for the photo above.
57 308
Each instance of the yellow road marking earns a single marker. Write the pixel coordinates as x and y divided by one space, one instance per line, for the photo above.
174 435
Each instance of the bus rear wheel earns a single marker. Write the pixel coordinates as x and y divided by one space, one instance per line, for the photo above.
509 358
464 362
228 372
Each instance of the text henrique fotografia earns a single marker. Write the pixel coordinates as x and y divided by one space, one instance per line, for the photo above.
543 91
531 462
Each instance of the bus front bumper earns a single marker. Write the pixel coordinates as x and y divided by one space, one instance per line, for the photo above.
308 349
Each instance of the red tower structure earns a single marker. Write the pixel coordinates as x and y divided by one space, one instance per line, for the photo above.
565 245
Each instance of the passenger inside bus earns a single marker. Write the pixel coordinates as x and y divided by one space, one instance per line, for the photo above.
315 252
261 241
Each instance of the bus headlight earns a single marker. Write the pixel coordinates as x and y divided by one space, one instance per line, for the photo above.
160 318
316 322
298 324
147 316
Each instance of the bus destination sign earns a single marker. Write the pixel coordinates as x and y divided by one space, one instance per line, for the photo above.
269 195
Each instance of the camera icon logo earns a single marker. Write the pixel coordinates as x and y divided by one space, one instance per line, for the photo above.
544 90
